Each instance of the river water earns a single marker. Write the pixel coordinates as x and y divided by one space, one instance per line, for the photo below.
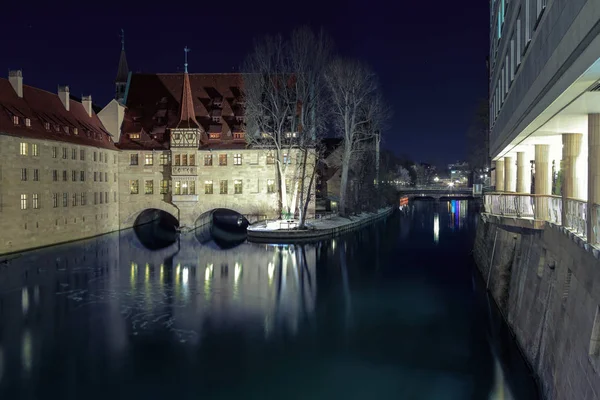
394 311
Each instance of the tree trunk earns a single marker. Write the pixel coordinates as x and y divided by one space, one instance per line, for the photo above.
344 183
307 202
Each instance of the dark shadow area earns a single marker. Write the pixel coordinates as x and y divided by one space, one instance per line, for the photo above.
156 229
226 228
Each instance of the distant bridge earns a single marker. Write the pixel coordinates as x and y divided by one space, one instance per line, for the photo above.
436 192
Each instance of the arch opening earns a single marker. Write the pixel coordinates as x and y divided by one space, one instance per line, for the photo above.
225 227
156 229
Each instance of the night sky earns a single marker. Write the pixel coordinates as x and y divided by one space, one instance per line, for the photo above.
429 55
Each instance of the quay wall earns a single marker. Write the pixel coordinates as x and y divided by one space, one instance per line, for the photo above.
546 283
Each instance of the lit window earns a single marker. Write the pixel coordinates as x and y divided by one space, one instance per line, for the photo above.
134 136
237 159
237 186
192 159
192 186
54 200
23 174
223 187
47 125
287 159
164 186
74 200
149 187
238 135
75 131
148 159
54 152
134 187
36 174
23 202
65 199
177 187
164 159
82 155
184 159
177 159
208 159
214 135
270 158
27 122
133 159
23 149
270 186
222 159
66 129
35 150
15 120
208 187
65 152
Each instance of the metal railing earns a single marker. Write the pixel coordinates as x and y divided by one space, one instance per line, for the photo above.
546 208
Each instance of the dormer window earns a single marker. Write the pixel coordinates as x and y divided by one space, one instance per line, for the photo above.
134 136
57 128
291 135
238 135
15 120
75 131
66 129
28 122
216 119
239 118
214 135
47 125
218 101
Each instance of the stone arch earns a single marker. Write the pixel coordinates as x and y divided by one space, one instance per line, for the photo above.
129 219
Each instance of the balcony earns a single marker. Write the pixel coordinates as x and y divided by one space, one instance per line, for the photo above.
183 170
182 198
539 209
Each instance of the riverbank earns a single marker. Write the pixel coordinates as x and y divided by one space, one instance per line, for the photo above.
277 231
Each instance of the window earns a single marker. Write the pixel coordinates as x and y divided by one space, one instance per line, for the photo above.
74 176
100 176
270 186
164 159
28 122
238 135
106 197
73 154
23 174
164 186
520 36
83 199
237 159
95 197
133 159
114 158
223 187
115 197
55 175
106 177
134 136
184 187
65 152
287 159
114 176
184 159
177 159
35 150
15 120
148 159
54 152
270 158
66 129
192 159
222 159
237 186
75 131
95 176
177 187
23 149
82 176
74 200
23 201
100 156
101 198
192 185
208 159
208 187
65 199
47 125
134 187
149 187
82 155
54 200
35 204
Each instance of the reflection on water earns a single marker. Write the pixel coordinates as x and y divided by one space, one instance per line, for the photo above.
390 311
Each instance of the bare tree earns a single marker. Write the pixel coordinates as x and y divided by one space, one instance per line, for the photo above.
355 100
286 110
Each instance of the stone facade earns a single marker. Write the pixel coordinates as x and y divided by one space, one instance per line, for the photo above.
40 210
547 284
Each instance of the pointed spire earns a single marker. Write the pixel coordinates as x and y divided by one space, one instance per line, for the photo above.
187 116
123 70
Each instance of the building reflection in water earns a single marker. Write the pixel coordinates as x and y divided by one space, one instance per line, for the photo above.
436 228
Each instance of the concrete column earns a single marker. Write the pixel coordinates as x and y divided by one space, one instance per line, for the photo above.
510 181
593 175
523 173
571 148
543 180
499 175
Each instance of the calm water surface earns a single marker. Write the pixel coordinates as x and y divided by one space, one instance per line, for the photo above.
394 311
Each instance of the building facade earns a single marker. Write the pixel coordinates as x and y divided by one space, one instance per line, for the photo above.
58 170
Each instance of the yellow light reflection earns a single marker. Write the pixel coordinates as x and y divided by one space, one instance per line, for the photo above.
162 273
133 274
207 278
436 228
24 300
185 275
237 271
271 272
26 351
333 243
147 277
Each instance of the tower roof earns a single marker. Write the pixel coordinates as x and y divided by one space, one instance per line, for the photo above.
187 116
123 70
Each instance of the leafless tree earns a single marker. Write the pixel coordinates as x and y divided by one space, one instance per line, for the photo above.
358 112
285 110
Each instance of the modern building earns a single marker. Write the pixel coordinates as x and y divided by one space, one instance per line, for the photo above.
545 106
459 173
58 168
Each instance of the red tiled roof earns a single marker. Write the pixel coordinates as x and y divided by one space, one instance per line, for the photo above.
153 107
43 107
187 118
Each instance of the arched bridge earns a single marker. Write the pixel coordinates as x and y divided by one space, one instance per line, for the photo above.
436 192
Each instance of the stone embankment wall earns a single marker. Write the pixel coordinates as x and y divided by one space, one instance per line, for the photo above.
546 282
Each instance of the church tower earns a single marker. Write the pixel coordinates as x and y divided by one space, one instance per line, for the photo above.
122 73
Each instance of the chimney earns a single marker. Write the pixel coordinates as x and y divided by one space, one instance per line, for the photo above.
15 78
87 104
63 94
